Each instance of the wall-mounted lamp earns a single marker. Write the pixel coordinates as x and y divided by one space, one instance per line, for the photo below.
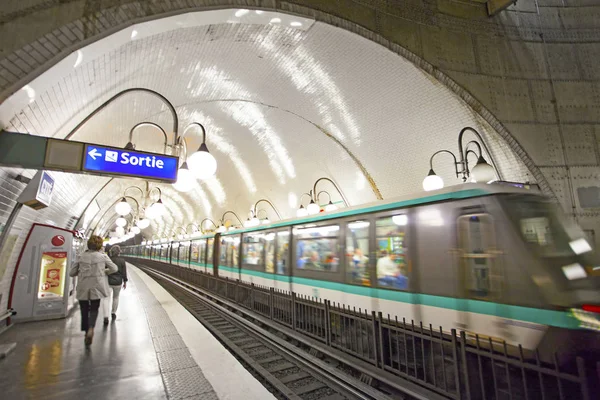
265 220
303 212
180 236
131 146
255 221
201 163
156 209
123 207
195 230
313 206
481 172
330 206
222 227
202 224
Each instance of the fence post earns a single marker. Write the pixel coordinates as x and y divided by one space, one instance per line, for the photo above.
465 364
456 366
226 287
294 310
271 300
328 322
237 291
252 296
381 341
585 390
375 338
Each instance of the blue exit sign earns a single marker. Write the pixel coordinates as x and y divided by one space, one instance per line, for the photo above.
113 161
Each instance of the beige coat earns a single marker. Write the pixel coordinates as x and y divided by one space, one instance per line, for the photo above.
92 269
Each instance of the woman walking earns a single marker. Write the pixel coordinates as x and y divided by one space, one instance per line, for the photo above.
92 285
115 281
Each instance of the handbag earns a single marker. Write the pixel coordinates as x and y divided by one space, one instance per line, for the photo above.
115 279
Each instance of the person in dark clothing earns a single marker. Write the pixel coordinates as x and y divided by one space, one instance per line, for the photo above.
92 285
115 281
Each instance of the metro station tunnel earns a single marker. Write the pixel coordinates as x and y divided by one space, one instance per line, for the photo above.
300 199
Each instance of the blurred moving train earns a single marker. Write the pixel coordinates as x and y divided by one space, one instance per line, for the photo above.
495 260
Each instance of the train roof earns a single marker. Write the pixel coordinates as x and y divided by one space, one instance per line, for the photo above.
463 191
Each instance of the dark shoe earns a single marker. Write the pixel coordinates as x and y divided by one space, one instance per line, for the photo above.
114 316
105 321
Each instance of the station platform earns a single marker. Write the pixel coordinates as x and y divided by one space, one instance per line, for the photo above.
155 349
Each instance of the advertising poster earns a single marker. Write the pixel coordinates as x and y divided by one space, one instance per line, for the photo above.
52 275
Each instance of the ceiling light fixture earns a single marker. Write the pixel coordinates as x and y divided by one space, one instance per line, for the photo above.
482 172
185 179
201 163
122 207
143 223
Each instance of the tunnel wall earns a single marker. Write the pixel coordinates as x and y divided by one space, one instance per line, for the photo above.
531 71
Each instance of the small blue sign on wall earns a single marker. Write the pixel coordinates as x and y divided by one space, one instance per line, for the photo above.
114 161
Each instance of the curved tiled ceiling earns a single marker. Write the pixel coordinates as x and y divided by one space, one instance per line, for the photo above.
282 105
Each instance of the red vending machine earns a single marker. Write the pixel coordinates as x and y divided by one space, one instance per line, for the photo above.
41 286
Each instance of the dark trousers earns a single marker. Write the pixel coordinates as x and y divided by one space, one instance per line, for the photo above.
89 313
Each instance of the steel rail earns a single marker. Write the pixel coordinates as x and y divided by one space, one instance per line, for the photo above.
326 372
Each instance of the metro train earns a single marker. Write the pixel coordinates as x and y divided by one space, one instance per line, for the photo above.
499 261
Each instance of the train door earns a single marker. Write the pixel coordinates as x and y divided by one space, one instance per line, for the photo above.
480 277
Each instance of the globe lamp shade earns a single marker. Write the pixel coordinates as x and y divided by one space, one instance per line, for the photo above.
312 208
330 207
121 221
158 209
143 223
221 229
136 230
432 182
301 212
247 223
123 207
483 172
185 179
119 231
266 221
254 221
202 164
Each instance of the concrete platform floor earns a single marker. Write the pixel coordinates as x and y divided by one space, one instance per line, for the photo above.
149 352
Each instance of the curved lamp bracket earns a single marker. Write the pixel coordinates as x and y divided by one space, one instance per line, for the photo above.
121 93
314 191
269 202
231 212
131 146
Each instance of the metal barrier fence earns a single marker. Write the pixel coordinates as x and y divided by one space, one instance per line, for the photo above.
448 363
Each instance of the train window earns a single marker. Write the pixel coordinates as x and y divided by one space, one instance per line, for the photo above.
283 246
357 249
184 253
252 250
223 250
317 248
210 249
270 252
202 252
195 251
540 224
234 244
392 266
477 242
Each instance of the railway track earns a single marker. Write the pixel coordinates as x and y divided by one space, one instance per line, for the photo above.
287 371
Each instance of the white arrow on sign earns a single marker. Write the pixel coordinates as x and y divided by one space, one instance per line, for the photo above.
94 153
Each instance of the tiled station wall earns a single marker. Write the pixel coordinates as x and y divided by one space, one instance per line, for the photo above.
72 193
533 68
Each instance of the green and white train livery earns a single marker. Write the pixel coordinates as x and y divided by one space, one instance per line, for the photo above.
495 260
